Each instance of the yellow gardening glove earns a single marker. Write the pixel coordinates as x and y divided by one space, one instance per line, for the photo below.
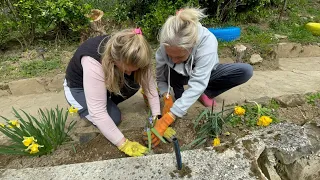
169 134
168 103
133 148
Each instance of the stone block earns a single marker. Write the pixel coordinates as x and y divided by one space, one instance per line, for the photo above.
26 86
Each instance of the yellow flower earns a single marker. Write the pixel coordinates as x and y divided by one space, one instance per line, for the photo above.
238 110
34 148
1 124
264 121
73 110
28 140
216 141
15 123
9 126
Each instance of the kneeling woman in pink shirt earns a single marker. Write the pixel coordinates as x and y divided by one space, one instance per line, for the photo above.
103 72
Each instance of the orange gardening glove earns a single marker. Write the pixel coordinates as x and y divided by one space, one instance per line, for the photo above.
161 126
168 103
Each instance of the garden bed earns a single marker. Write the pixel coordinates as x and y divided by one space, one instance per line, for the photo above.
100 149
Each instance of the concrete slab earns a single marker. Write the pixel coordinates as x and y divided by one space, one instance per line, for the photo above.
203 165
301 64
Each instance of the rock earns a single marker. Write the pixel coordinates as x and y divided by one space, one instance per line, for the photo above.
255 58
267 163
287 50
290 100
285 146
26 86
4 93
240 52
278 36
57 83
310 51
304 168
263 100
240 48
4 86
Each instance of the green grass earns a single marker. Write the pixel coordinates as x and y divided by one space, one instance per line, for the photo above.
13 68
261 36
39 67
313 99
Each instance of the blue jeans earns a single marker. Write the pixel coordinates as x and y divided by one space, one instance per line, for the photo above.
223 78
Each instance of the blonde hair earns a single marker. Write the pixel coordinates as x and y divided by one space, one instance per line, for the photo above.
131 49
182 29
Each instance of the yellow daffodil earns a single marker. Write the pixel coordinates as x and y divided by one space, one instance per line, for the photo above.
15 123
2 125
216 141
28 140
238 110
34 148
264 121
9 126
73 110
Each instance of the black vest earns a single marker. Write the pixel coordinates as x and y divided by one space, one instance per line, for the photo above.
74 72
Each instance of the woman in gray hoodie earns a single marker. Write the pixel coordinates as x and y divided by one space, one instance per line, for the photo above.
188 55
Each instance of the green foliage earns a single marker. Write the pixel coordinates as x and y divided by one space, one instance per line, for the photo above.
208 125
152 21
26 18
223 11
253 112
313 99
124 10
50 130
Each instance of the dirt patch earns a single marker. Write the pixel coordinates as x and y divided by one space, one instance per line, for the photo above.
300 114
97 149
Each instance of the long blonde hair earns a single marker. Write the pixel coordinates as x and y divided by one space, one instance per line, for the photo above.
182 29
129 48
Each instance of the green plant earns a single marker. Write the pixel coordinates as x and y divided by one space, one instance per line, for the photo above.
27 19
313 99
208 125
253 112
32 136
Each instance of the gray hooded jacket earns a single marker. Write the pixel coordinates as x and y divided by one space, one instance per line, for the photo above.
204 57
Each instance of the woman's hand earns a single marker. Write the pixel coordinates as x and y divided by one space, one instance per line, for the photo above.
133 148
